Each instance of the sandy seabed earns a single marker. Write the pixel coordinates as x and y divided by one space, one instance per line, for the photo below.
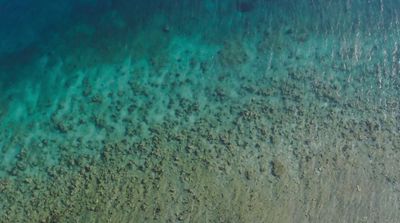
282 125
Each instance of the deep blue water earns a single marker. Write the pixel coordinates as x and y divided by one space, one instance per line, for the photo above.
26 23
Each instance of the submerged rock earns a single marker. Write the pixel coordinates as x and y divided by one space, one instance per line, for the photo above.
277 168
245 6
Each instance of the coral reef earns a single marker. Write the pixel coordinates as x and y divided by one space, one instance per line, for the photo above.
257 126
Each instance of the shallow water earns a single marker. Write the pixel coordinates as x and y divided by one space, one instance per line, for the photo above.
199 111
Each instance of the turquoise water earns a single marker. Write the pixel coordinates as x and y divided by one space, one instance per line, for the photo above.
199 111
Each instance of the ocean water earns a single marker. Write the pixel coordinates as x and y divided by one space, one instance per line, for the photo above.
200 111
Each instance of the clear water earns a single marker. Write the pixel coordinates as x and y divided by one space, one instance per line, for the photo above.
199 111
